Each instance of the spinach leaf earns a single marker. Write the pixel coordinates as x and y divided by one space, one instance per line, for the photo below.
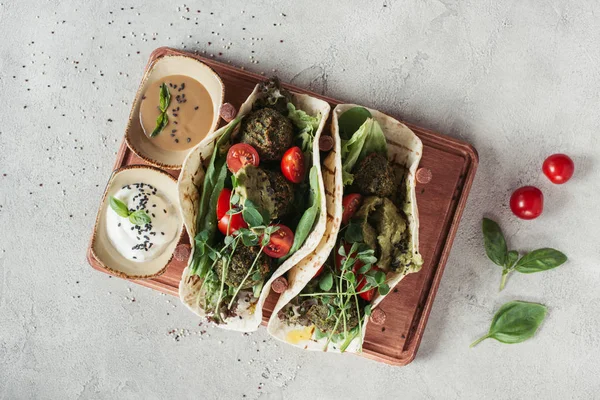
540 260
495 244
309 217
515 322
351 120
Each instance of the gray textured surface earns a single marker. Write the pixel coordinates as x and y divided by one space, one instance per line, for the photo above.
517 79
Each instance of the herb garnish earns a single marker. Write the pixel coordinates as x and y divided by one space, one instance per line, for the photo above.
497 251
138 217
515 322
163 119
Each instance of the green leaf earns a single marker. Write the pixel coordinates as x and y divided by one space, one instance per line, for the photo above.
235 198
161 122
364 269
319 334
256 289
511 258
367 139
515 322
540 260
351 120
342 250
228 240
119 207
350 277
256 276
383 289
305 225
379 277
354 233
139 217
495 245
306 124
368 259
164 97
252 216
326 281
368 309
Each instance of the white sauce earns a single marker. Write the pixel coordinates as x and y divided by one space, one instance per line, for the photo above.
142 243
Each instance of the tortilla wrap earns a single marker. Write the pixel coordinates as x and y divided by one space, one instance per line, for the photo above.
248 314
404 149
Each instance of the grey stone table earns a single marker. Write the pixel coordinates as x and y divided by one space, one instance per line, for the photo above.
519 80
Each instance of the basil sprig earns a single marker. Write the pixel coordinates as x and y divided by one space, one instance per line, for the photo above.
497 251
515 322
163 119
138 217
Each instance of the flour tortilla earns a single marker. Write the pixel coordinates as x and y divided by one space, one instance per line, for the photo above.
404 149
249 314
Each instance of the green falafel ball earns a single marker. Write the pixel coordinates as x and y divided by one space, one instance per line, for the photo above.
269 132
318 315
375 176
240 264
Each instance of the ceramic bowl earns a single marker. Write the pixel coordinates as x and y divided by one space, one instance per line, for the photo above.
103 250
164 66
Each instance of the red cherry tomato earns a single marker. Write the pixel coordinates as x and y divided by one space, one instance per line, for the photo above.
362 281
237 222
241 154
350 204
280 242
558 168
527 202
293 166
223 204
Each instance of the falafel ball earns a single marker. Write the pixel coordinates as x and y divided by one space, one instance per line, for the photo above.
269 132
240 263
281 193
375 176
317 314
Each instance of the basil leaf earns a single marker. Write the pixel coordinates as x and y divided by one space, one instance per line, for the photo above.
511 258
540 260
119 207
165 98
351 120
252 216
353 233
515 322
161 122
139 217
495 245
326 281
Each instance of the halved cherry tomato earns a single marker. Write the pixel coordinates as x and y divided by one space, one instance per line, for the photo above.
527 202
280 242
223 204
362 281
558 168
293 166
241 154
237 222
350 204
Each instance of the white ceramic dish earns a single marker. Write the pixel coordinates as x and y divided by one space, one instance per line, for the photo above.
135 137
102 248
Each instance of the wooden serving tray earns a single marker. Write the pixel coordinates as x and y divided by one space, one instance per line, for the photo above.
441 202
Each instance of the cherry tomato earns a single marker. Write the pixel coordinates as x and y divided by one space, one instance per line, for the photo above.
280 242
293 165
558 168
237 222
350 204
362 281
223 204
241 154
527 202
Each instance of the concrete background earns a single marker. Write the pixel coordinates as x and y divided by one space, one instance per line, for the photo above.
517 79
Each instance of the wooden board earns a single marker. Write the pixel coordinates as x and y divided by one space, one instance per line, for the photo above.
441 202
